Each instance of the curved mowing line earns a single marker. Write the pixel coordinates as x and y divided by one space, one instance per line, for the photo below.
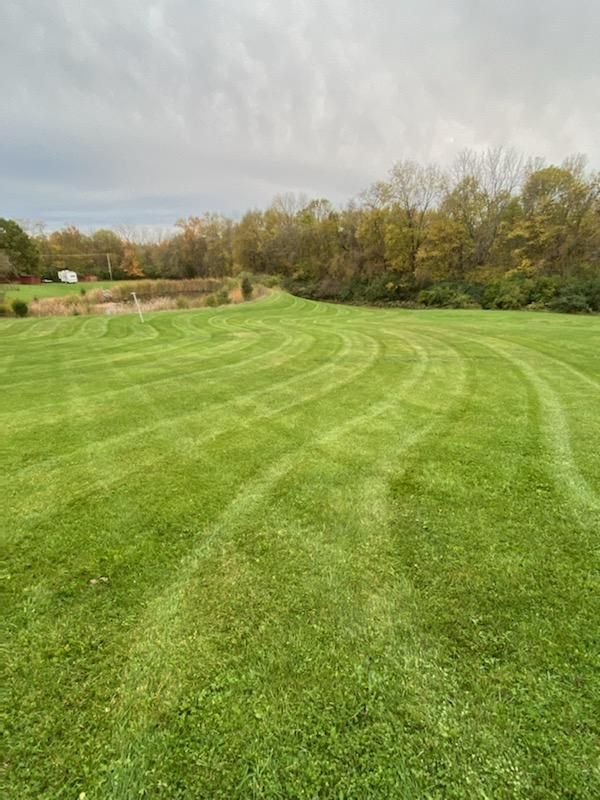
16 422
48 326
98 325
300 378
177 421
115 350
564 364
139 357
158 321
214 354
243 400
554 423
6 325
323 391
66 346
140 467
93 321
249 493
145 348
62 330
556 430
160 420
163 618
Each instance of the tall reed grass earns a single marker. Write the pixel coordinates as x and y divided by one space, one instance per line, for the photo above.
160 295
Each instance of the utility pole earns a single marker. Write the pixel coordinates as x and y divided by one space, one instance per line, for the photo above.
109 265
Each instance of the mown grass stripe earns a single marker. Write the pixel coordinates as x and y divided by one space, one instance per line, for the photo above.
356 559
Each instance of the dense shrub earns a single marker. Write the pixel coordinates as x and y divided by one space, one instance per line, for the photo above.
508 294
516 290
329 289
542 290
379 290
446 296
388 287
310 290
591 291
570 303
350 291
20 308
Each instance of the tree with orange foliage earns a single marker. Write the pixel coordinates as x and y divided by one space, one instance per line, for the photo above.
130 264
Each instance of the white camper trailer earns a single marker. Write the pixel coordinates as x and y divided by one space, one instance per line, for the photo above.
67 276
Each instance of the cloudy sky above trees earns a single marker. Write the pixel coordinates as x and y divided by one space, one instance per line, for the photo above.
141 111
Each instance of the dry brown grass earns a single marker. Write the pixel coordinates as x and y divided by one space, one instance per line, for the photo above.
235 295
61 306
192 294
165 288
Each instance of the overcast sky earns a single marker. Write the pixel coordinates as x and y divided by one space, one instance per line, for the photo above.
138 111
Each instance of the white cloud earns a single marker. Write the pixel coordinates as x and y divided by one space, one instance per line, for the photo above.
137 111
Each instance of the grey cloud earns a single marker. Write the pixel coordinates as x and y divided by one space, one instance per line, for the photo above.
137 110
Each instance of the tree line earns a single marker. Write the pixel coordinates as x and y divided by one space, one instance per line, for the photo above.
494 229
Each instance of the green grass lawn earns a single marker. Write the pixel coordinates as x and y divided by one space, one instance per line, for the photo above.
297 550
27 292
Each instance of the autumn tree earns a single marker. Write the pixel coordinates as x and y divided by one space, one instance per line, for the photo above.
558 228
410 192
130 265
248 241
481 192
494 227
